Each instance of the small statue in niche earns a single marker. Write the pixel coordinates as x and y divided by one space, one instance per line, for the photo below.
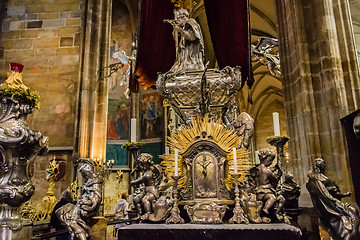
147 193
291 192
268 191
341 219
77 217
189 43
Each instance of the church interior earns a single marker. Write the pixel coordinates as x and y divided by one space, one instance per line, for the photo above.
169 119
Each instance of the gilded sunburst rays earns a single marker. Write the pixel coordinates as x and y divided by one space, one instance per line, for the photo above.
224 137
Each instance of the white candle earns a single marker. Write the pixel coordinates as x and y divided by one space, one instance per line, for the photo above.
133 130
276 124
167 150
257 160
235 161
176 162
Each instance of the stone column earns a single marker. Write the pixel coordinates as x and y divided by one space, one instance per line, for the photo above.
93 91
321 84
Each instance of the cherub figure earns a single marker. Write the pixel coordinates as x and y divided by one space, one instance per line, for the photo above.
147 193
268 191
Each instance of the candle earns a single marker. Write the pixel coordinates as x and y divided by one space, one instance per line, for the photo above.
176 162
235 161
167 150
276 124
257 160
133 130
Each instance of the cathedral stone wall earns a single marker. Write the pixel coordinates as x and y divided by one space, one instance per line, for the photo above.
321 84
44 36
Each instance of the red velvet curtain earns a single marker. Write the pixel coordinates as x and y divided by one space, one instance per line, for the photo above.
156 47
230 34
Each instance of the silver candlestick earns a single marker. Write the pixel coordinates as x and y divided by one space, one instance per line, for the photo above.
238 216
175 211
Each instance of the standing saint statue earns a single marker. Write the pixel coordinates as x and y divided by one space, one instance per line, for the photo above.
76 218
189 43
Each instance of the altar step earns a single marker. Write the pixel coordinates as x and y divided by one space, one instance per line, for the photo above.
274 231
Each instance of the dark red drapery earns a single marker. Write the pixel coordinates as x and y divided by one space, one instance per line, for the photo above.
230 34
156 47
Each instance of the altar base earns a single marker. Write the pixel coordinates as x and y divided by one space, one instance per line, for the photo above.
25 233
274 231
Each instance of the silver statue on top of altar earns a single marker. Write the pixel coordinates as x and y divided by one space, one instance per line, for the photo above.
189 86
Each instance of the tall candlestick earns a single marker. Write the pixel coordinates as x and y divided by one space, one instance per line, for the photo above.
133 130
276 124
235 161
176 162
167 150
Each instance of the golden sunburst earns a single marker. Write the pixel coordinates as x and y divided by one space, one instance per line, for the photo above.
224 137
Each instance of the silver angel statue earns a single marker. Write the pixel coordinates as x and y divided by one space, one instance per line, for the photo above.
243 125
77 217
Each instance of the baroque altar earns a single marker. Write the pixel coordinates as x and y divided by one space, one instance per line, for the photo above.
207 173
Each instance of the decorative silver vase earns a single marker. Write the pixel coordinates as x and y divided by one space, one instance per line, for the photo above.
19 146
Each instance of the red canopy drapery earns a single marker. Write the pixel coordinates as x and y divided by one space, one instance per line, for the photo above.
230 34
156 47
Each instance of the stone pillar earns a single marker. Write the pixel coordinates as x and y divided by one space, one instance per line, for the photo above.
321 84
93 91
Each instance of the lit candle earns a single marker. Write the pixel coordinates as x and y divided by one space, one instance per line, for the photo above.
133 130
176 162
167 150
276 124
235 161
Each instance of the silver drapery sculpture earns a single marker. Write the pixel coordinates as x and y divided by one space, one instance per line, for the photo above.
341 219
19 145
266 53
77 217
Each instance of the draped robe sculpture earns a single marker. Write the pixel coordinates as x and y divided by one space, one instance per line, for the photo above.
341 219
77 217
